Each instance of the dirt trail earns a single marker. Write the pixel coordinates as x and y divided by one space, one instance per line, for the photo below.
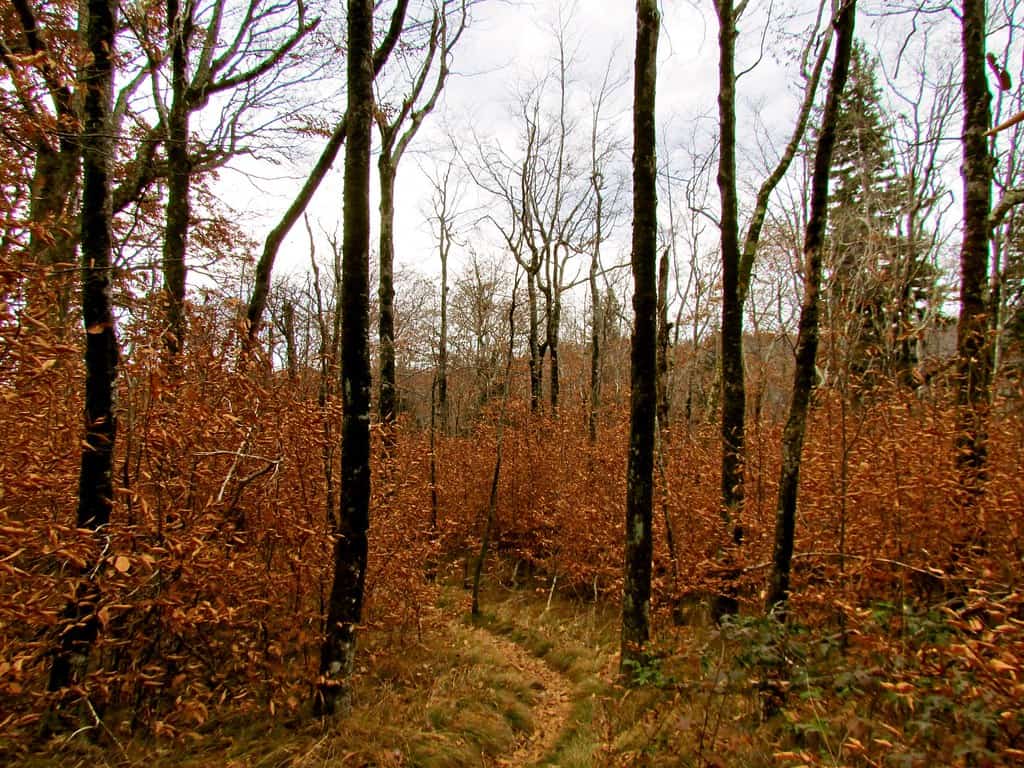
551 709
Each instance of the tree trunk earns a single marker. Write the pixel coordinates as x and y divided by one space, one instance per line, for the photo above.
554 318
492 500
536 365
442 345
807 335
663 332
53 232
179 26
972 349
344 609
291 354
386 293
636 591
595 323
53 183
433 455
733 394
96 482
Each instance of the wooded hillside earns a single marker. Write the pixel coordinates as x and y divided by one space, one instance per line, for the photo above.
675 446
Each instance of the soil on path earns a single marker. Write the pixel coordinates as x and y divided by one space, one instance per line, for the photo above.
550 710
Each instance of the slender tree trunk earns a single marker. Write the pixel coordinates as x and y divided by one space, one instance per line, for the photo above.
595 325
973 351
536 364
732 383
345 604
636 591
433 454
179 171
554 319
291 353
442 345
807 334
327 364
663 335
96 481
492 500
386 397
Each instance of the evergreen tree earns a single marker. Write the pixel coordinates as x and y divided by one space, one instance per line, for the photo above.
879 279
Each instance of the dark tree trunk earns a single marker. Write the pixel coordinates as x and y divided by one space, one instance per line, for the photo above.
663 335
595 320
291 354
636 591
96 482
973 351
350 548
386 396
442 344
536 364
179 171
807 334
433 455
733 394
396 133
552 344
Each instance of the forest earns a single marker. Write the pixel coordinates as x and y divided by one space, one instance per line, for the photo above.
505 383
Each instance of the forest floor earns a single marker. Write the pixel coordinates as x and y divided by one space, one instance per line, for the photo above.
518 686
532 682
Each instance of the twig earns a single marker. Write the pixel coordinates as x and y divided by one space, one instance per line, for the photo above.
101 724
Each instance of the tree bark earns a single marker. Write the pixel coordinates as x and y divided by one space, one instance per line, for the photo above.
536 364
807 334
595 309
179 172
386 292
344 609
973 352
663 335
96 482
554 320
442 344
732 383
636 594
55 178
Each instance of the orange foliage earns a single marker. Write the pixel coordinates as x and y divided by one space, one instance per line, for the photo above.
215 572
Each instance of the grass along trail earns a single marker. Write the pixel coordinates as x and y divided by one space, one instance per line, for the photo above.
550 710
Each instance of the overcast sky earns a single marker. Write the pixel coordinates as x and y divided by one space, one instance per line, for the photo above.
512 43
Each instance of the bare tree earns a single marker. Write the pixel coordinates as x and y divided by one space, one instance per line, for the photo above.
807 335
546 194
737 263
444 212
225 60
397 128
